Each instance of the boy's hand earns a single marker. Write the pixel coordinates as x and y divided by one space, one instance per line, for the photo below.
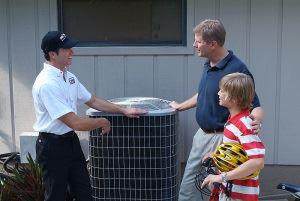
210 180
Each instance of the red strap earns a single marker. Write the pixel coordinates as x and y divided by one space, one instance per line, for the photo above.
215 194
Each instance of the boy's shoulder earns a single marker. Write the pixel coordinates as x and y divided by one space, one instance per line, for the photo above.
241 119
240 125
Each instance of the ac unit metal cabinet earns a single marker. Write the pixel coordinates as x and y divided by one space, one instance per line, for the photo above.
137 160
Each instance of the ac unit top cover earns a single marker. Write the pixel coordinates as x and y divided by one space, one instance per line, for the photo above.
153 106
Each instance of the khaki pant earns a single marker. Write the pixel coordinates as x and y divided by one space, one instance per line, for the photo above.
202 144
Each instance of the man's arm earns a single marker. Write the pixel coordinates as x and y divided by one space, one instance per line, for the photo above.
188 104
85 124
106 106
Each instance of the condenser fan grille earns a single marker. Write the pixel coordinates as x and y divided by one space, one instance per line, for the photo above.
137 160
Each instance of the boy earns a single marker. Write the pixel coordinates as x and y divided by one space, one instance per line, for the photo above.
236 93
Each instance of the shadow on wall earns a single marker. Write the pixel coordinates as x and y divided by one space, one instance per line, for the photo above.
5 142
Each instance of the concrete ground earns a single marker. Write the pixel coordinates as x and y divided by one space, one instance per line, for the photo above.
272 175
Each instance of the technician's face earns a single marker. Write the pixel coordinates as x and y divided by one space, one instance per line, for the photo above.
63 58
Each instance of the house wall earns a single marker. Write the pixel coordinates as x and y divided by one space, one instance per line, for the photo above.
264 34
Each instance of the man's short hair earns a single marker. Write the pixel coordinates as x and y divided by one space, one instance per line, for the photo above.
239 88
211 30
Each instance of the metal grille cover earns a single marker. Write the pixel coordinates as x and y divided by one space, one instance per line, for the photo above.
138 159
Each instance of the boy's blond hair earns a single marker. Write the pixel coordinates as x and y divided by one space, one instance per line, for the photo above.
240 89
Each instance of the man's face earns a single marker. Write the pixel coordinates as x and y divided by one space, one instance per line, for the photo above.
203 48
63 58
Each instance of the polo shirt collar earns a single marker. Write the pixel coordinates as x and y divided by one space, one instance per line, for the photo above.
48 67
221 64
235 118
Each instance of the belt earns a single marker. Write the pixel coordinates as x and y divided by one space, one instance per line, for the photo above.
209 131
55 136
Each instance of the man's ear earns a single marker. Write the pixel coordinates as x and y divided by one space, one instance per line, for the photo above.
214 44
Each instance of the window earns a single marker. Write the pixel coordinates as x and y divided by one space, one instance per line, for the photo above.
124 22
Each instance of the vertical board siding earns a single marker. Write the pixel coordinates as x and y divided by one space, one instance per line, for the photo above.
264 34
289 92
139 76
6 141
84 69
204 10
233 15
170 83
42 27
110 76
169 77
23 56
194 73
263 58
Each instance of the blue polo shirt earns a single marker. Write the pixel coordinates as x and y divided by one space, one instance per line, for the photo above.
209 114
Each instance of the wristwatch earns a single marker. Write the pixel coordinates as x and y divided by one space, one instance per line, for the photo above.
223 176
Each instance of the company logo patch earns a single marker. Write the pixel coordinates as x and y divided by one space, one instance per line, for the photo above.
62 37
71 80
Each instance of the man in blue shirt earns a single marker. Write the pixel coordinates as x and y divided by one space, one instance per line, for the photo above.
211 117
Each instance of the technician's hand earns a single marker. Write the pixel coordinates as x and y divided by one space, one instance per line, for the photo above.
210 180
105 126
134 112
256 125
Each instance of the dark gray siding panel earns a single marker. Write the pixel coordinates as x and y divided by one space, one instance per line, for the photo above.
23 56
110 76
264 65
6 132
139 76
84 69
289 137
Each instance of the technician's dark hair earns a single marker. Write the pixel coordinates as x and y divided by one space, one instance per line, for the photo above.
46 54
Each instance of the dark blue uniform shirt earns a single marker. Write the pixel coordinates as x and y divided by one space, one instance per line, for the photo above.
209 114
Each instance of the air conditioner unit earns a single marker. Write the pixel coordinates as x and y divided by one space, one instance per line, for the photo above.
137 160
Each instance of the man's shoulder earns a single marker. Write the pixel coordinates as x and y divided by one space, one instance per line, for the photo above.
45 80
237 63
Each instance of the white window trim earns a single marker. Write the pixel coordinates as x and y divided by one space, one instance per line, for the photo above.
133 50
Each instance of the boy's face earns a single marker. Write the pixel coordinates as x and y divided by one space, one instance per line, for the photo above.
223 99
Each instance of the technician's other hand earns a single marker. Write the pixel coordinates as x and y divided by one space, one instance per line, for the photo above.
134 112
174 105
105 126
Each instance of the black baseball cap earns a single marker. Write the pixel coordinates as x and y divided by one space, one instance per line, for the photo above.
54 40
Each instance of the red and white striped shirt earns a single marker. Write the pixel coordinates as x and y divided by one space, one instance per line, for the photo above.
238 130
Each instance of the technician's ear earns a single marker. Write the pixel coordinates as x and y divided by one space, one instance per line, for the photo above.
52 54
